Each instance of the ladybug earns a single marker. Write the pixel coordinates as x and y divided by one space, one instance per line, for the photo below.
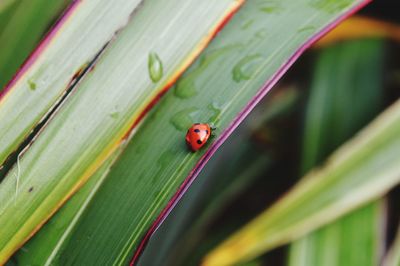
197 135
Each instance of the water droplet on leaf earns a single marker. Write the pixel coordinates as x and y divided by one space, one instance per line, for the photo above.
331 6
32 85
261 33
114 115
247 24
216 109
309 28
246 67
163 162
271 6
155 67
185 118
186 86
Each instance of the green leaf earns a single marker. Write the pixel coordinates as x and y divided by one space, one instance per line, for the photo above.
362 170
156 162
57 230
228 174
54 233
94 120
355 239
179 235
86 27
342 99
346 93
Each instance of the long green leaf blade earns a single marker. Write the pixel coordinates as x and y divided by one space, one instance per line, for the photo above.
85 28
220 84
229 173
346 93
56 232
92 122
355 239
362 170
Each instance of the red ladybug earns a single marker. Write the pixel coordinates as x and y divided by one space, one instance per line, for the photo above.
197 135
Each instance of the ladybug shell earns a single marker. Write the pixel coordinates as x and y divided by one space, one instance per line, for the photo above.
197 136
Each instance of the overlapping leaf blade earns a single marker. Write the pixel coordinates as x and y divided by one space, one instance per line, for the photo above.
229 173
346 93
362 170
85 28
156 162
355 239
42 249
91 123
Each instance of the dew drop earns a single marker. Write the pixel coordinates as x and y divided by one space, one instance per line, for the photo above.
155 67
261 33
246 67
247 24
216 111
330 6
186 87
185 118
32 85
309 28
114 115
271 6
163 162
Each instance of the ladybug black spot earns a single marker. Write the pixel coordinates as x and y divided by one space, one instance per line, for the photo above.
206 131
199 141
197 130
